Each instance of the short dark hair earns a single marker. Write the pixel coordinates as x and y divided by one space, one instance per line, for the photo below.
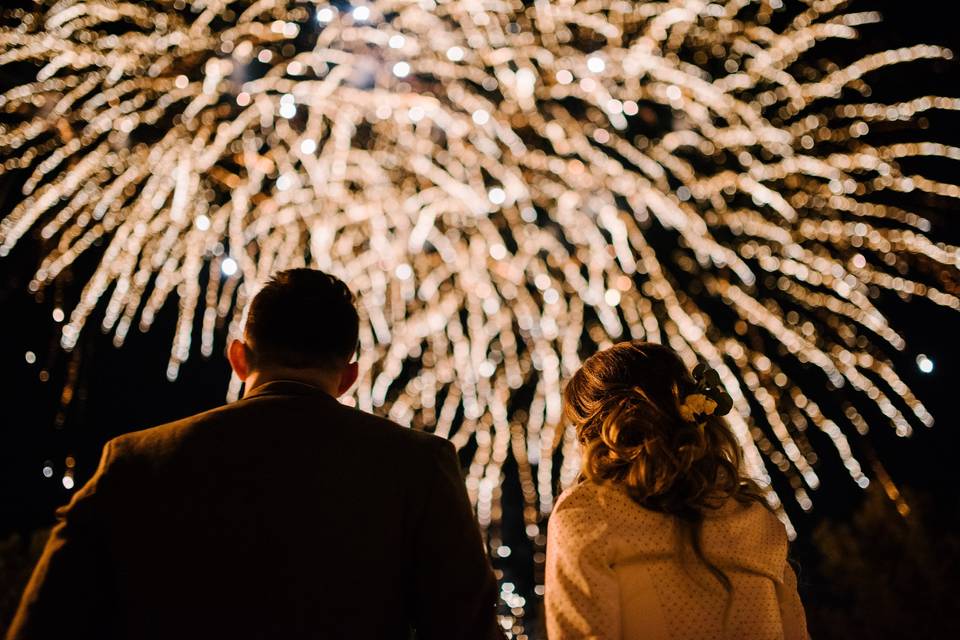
302 318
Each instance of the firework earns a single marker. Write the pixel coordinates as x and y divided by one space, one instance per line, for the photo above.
507 186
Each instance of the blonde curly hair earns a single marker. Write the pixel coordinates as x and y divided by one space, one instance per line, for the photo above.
635 429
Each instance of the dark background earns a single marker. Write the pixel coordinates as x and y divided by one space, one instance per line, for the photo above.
865 570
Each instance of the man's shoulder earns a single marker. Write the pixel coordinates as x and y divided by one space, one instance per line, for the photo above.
367 427
373 427
167 434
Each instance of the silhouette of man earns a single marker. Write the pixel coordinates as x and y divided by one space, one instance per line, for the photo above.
283 515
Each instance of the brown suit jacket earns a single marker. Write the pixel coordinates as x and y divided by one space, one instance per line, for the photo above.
283 515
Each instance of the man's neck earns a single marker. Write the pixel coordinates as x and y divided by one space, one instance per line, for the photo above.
323 380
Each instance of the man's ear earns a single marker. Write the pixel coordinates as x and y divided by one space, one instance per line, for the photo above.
239 361
347 378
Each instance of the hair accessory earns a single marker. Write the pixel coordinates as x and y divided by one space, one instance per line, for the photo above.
708 384
696 404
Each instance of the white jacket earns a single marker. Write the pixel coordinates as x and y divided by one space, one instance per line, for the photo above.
616 570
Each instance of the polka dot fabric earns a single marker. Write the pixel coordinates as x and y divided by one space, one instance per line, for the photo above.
616 570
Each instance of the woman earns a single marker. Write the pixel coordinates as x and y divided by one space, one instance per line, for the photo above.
663 537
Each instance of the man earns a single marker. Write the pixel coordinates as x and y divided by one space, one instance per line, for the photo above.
283 515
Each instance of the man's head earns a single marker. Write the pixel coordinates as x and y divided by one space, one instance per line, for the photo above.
302 325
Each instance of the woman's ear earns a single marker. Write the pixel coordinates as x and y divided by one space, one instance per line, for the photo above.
239 361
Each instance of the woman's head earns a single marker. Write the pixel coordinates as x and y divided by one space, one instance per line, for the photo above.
645 422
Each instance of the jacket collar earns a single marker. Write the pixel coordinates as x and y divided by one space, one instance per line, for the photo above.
287 388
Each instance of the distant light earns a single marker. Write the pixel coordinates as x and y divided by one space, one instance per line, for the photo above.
30 357
396 41
295 68
288 109
487 369
308 146
401 69
596 64
481 117
202 222
525 82
47 471
228 267
243 98
68 482
612 297
564 76
265 56
673 92
497 195
325 15
416 114
58 315
284 182
924 363
361 13
404 271
181 82
504 552
454 54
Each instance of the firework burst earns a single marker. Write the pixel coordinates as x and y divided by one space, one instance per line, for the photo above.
507 186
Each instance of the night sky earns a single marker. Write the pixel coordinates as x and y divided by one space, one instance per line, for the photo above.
121 390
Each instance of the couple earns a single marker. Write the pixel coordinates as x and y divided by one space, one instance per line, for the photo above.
289 515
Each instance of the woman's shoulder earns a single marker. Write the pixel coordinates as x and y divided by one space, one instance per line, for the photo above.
575 507
748 536
606 516
577 496
750 515
590 495
603 502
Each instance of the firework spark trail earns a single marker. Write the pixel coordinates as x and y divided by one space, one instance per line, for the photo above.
492 179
